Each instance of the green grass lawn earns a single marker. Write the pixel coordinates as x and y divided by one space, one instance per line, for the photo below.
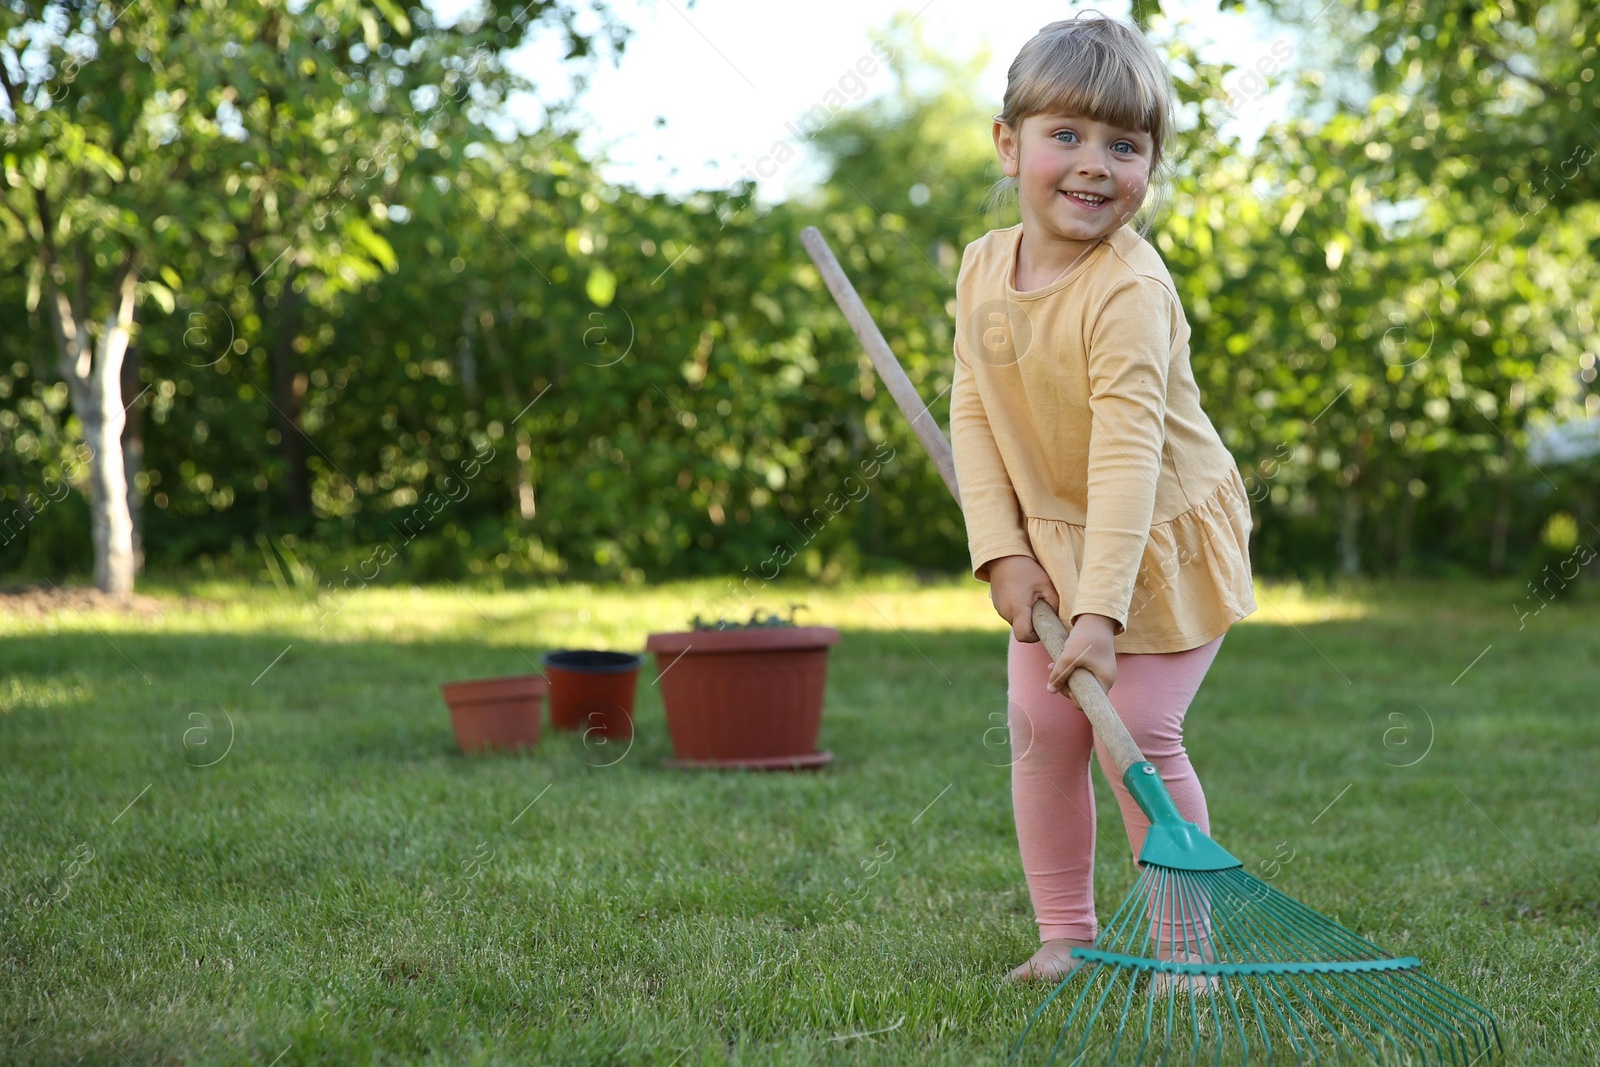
235 831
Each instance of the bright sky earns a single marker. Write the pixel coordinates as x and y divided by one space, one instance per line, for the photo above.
703 92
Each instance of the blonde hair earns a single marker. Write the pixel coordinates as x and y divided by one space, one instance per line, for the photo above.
1102 69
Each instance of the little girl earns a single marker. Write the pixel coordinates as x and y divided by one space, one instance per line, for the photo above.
1090 477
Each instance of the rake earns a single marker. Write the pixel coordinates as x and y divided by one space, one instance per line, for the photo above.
1203 961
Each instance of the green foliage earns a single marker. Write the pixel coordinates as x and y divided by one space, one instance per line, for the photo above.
758 620
1390 260
396 344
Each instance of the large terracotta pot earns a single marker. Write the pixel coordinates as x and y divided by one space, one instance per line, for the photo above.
496 713
593 691
744 698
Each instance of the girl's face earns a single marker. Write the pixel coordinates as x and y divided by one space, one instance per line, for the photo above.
1078 179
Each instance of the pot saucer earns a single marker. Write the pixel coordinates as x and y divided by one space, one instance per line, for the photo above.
766 763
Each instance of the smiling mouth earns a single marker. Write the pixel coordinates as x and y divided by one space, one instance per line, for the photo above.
1086 199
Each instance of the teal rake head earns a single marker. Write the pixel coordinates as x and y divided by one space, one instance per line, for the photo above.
1204 963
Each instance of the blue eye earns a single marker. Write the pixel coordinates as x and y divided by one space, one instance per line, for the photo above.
1123 146
1067 133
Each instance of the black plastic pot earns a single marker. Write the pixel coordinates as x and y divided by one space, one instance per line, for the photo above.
591 690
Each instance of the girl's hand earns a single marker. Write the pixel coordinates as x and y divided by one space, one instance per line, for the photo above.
1089 645
1015 582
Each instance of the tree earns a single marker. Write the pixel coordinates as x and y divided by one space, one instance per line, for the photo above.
246 129
1496 99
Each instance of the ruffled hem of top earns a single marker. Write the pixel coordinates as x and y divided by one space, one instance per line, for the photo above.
1194 578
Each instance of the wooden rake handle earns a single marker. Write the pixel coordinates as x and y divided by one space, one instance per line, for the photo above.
1083 685
894 376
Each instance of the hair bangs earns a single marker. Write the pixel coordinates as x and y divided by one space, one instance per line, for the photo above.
1098 84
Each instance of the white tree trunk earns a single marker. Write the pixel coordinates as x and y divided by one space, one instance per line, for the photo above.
525 502
92 368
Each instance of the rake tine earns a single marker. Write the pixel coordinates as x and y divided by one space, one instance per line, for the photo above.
1303 986
1149 1025
1233 1010
1311 991
1182 922
1396 1031
1167 1032
1481 1021
1053 994
1258 931
1224 951
1211 988
1261 1027
1122 1021
1473 1016
1278 997
1088 1025
1399 993
1261 1022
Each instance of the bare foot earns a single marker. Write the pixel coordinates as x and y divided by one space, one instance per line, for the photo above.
1163 983
1052 962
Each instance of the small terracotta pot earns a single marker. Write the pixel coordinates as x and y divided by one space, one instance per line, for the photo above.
744 697
593 691
496 713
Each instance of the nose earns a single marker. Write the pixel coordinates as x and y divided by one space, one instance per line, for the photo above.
1092 163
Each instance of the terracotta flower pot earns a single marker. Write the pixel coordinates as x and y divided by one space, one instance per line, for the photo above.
593 691
496 713
744 698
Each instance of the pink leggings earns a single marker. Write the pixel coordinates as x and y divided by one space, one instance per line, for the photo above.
1050 791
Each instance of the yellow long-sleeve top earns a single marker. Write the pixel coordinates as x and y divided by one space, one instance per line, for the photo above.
1080 441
